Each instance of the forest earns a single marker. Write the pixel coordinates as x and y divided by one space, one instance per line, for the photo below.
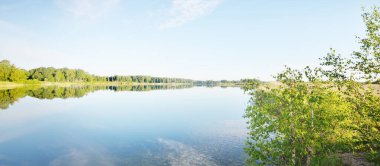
10 73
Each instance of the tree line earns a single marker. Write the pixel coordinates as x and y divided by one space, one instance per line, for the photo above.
9 72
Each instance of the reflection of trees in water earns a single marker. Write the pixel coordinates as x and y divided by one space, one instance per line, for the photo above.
145 87
60 92
10 96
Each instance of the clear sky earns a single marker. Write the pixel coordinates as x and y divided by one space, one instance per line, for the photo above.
197 39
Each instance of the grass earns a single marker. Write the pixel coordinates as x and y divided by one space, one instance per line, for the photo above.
11 85
332 160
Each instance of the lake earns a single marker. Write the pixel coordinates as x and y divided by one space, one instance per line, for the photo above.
148 125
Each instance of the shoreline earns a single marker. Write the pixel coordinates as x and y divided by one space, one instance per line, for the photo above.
11 85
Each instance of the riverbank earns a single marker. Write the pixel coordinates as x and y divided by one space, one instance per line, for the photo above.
11 85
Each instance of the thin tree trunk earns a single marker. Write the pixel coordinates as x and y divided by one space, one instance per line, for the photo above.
310 149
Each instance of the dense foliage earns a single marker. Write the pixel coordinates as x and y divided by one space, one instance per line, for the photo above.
318 113
78 75
9 72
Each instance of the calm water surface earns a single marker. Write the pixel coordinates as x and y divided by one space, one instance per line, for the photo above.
193 126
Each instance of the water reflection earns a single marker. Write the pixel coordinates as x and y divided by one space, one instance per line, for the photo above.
197 126
10 96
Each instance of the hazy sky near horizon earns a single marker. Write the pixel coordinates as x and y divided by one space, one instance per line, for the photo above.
197 39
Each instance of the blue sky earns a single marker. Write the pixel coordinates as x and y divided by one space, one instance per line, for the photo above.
197 39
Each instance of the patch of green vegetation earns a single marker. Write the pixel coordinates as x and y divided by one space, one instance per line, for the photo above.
313 114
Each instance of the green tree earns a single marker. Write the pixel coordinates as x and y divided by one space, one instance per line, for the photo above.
367 60
17 74
80 75
128 80
70 75
48 74
316 113
5 70
291 125
59 76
